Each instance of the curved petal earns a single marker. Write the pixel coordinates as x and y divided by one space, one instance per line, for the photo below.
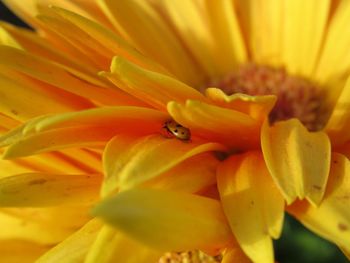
252 204
30 188
129 161
233 128
149 86
235 255
331 219
110 246
257 107
168 221
75 247
146 29
297 159
191 175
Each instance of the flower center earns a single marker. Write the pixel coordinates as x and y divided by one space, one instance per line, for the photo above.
189 257
296 96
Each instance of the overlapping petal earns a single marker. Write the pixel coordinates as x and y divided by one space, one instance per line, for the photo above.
165 220
252 203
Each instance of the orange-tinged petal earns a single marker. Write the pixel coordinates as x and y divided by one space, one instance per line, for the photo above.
15 251
152 87
129 160
331 219
111 246
60 139
56 75
48 225
232 255
137 119
169 221
7 39
339 122
192 175
146 29
258 107
75 247
30 188
252 204
297 159
234 128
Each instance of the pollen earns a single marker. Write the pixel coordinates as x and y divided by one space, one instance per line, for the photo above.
297 97
189 257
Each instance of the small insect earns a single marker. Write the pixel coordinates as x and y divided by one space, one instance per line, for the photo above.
173 129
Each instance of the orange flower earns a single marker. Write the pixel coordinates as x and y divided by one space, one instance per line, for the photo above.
257 89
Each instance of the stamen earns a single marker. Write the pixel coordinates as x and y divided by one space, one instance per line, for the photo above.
296 96
189 257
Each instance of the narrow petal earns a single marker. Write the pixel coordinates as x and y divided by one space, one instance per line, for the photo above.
41 225
55 75
129 161
7 39
228 45
111 246
140 24
331 219
15 251
59 139
28 189
252 204
339 122
169 221
334 59
152 87
75 247
297 159
257 107
227 126
303 31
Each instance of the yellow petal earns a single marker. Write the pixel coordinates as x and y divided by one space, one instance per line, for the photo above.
235 255
346 252
191 175
130 119
262 23
111 246
151 87
41 225
334 58
17 251
110 40
228 46
339 123
129 160
140 24
30 188
60 139
227 126
303 31
7 39
55 75
252 204
169 221
331 219
75 247
257 107
297 159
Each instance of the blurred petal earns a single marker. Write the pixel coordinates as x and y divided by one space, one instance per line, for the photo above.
191 175
111 246
297 159
17 251
169 221
230 127
232 255
152 87
252 203
257 107
29 189
331 219
75 247
129 161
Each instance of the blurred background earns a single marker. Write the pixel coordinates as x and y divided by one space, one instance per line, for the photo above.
297 244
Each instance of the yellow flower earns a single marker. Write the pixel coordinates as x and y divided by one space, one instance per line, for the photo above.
212 118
